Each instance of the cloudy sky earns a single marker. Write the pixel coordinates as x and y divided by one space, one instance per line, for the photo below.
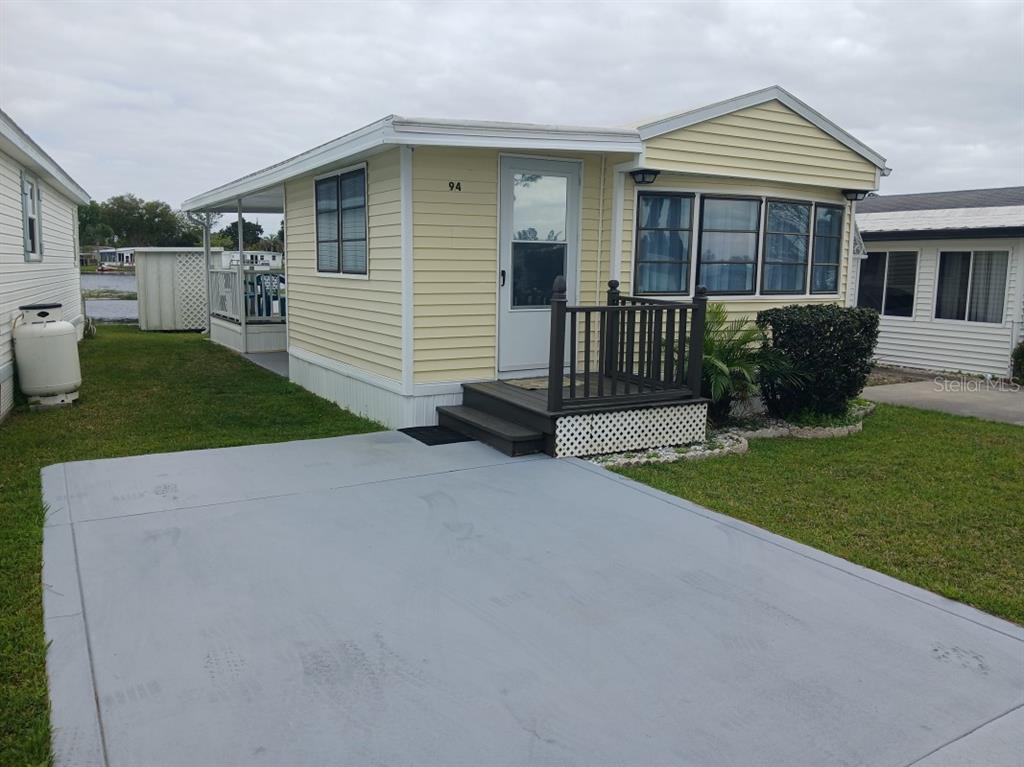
168 100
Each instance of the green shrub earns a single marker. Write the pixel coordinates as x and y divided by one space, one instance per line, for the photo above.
829 346
1018 363
735 358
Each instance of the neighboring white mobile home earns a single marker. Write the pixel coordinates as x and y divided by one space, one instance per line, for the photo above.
946 272
422 257
38 240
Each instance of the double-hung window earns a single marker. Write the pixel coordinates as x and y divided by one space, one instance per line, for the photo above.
728 244
663 238
787 234
828 240
341 223
887 283
31 202
972 285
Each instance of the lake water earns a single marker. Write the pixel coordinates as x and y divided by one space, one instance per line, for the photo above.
106 310
124 282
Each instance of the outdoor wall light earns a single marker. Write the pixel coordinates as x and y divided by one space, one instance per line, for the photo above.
854 195
643 176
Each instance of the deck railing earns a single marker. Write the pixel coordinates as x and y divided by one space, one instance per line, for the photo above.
634 349
261 292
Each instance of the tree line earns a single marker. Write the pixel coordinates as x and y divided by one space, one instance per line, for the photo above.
126 220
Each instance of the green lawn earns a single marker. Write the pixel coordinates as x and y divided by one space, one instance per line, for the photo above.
141 393
933 499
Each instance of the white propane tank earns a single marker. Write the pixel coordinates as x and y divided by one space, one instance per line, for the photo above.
46 352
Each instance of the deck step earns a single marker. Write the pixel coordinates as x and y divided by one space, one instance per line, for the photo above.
506 436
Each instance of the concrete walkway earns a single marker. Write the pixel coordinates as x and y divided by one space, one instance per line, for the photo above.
990 400
275 362
371 600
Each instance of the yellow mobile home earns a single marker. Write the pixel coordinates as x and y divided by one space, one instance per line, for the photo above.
423 256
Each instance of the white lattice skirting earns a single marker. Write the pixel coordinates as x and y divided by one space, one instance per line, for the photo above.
190 271
597 433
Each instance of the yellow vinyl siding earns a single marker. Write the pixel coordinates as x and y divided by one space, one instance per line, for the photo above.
455 252
455 256
354 321
768 142
703 185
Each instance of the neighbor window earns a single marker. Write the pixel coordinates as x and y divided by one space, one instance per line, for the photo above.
728 244
664 223
31 206
972 285
887 283
341 223
787 232
828 238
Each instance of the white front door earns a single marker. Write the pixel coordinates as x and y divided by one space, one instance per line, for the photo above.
539 240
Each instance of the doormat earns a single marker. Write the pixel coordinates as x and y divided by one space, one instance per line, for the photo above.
435 435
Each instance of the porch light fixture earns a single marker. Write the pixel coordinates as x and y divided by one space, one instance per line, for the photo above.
642 177
854 195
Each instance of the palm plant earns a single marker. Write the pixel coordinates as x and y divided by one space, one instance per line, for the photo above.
734 357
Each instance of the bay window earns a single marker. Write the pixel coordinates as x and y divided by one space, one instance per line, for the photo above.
341 223
972 285
728 244
664 223
887 282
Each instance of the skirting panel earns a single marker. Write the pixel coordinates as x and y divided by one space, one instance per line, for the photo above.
6 390
394 410
613 432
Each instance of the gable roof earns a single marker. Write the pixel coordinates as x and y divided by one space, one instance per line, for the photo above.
262 195
19 145
772 93
968 198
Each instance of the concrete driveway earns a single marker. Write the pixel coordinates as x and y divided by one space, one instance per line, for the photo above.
370 600
990 400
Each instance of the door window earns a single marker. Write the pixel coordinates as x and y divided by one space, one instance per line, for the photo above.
539 238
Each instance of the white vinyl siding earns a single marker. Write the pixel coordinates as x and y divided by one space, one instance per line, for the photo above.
922 341
53 280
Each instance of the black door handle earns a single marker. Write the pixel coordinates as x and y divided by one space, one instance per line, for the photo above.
502 284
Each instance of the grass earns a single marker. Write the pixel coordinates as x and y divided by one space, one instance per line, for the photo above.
141 393
929 498
110 294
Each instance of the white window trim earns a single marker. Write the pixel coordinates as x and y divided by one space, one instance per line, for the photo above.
31 256
316 236
970 282
757 296
885 282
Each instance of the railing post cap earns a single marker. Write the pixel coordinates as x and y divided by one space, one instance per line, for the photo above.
613 284
559 287
702 291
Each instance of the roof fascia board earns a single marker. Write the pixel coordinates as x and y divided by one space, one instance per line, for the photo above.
943 234
363 140
20 145
394 131
773 93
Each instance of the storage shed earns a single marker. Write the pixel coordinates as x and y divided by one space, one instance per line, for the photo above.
172 288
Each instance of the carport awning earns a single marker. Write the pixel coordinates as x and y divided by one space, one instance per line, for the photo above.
269 200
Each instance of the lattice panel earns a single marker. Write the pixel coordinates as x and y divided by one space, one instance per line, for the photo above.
191 275
597 433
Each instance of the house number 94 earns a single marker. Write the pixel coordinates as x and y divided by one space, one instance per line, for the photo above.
454 186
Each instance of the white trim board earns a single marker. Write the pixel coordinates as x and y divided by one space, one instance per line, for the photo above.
395 130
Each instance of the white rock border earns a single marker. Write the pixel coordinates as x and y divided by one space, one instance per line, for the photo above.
732 441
